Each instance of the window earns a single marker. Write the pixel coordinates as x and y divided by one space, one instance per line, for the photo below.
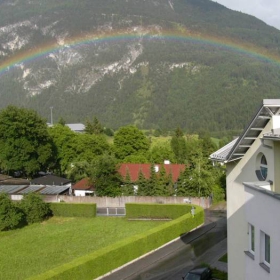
263 167
252 239
265 249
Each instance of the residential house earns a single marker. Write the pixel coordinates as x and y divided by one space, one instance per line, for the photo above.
253 196
83 188
133 169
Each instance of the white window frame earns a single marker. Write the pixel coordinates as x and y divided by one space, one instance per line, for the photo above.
252 239
265 249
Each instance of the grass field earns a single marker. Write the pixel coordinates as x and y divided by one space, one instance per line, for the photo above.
40 247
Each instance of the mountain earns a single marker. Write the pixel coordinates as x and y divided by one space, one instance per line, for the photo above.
158 64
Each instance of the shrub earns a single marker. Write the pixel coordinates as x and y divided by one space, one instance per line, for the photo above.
34 208
11 216
73 210
156 211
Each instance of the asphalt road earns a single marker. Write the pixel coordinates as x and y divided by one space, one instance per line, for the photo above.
174 260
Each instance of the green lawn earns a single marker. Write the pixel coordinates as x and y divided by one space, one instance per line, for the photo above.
37 248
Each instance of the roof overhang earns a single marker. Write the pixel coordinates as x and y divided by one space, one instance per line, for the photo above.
236 149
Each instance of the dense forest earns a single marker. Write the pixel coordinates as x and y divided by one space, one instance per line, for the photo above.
192 64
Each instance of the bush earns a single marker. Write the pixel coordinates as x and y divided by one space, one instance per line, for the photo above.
11 217
156 211
34 208
73 210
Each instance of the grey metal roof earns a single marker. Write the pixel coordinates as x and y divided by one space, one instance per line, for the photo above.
222 153
30 188
238 148
54 189
11 189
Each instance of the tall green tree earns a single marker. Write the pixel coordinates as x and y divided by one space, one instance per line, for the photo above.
152 183
178 145
24 141
129 140
162 183
94 126
142 184
128 186
105 176
64 140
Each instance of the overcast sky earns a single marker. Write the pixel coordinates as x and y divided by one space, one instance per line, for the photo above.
266 10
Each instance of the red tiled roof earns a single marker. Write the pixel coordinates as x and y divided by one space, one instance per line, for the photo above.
134 168
83 185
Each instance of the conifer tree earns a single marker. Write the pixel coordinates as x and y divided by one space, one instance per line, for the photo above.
142 184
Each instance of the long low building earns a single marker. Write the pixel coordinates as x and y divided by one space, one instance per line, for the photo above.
40 189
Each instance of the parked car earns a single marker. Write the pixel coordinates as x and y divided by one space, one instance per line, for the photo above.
199 273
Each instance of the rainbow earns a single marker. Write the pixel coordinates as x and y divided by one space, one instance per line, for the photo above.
94 38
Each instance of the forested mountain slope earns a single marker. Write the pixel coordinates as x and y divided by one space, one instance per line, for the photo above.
154 63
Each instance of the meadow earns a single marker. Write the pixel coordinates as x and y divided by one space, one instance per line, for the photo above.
40 247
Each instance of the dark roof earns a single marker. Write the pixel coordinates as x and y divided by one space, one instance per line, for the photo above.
8 180
50 180
237 149
83 184
134 169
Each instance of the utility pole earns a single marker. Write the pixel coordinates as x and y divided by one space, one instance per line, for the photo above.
51 116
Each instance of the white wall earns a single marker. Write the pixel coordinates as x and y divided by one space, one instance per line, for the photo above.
261 211
237 173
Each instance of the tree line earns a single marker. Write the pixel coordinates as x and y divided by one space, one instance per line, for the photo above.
28 145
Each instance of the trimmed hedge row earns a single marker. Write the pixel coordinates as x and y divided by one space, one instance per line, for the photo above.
102 261
156 211
73 209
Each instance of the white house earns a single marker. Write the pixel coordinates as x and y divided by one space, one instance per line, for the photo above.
253 196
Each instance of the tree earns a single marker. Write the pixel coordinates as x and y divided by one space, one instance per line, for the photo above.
163 182
178 145
24 141
93 127
35 209
129 140
142 184
127 187
73 148
64 147
105 176
161 152
152 182
11 216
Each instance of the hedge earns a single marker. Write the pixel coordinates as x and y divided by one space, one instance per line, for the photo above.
156 211
73 209
103 261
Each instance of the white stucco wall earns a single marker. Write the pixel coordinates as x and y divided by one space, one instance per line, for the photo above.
82 192
261 211
238 172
